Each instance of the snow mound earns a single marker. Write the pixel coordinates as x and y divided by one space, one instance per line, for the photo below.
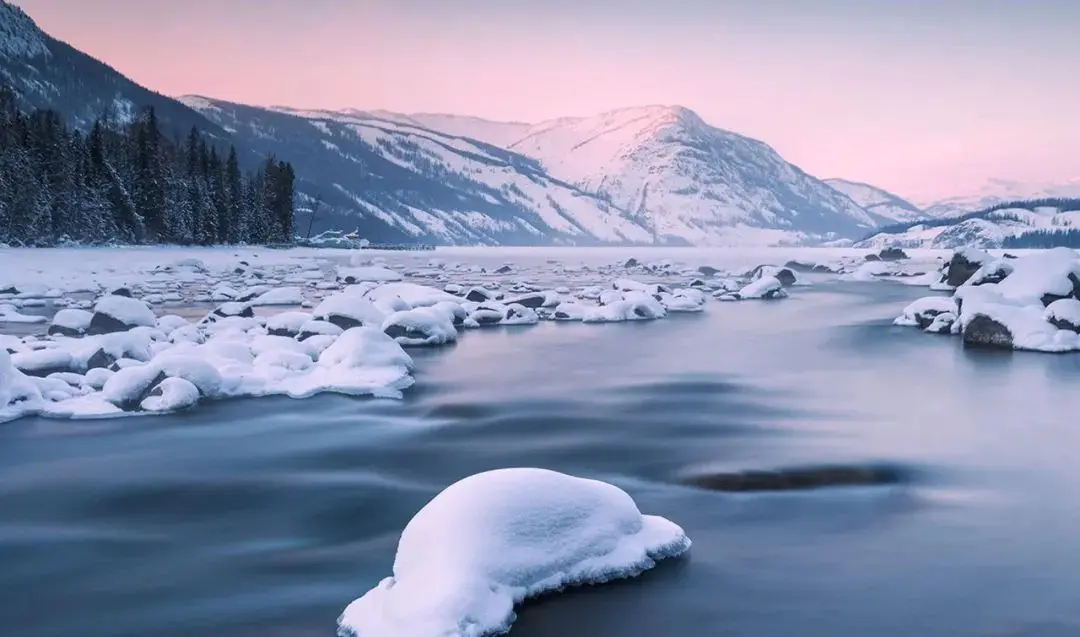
374 274
279 296
421 326
497 538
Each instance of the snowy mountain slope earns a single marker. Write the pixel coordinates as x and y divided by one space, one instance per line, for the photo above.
993 228
47 73
997 191
682 178
880 203
424 184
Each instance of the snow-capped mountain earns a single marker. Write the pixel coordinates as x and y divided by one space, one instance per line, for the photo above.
47 73
683 178
1036 223
878 202
645 175
398 179
998 191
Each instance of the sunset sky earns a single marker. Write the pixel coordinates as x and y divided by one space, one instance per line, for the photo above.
928 98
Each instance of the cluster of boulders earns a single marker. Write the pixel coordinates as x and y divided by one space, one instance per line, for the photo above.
1030 302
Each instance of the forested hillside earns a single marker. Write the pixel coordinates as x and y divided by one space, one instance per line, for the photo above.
128 182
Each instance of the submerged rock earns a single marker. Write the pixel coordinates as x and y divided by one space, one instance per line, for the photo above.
801 478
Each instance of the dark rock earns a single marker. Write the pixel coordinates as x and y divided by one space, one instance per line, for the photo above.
532 301
697 283
344 322
824 269
239 271
244 298
105 324
101 359
9 290
983 331
283 332
397 331
60 330
873 257
786 277
708 270
1010 256
504 270
225 312
802 478
944 327
244 263
892 254
121 292
1062 324
479 295
959 270
348 280
631 263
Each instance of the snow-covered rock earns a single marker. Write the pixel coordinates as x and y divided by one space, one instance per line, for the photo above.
517 314
347 310
374 274
1064 314
767 287
421 326
632 306
922 312
497 538
171 395
114 313
287 323
280 296
71 322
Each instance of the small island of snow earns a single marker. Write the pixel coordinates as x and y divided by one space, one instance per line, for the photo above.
497 538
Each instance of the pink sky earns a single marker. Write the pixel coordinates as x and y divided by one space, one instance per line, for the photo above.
928 98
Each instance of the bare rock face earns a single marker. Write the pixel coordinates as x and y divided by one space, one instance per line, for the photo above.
983 331
960 269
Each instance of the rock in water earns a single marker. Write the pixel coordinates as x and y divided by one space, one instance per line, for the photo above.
983 331
892 254
964 264
494 539
119 314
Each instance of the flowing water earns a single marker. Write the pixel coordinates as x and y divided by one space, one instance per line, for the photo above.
264 518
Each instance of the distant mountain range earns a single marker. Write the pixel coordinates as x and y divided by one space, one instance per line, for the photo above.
646 175
998 191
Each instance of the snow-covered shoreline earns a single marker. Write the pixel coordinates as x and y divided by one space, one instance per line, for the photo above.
112 332
90 333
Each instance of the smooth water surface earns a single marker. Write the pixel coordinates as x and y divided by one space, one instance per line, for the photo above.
265 518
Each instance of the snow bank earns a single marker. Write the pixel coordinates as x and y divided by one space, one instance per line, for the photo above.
494 539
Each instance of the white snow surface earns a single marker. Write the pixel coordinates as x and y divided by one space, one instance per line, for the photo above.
497 538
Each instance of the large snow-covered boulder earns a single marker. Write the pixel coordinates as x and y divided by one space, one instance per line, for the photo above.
494 539
43 362
362 361
962 265
630 306
393 297
19 395
119 313
287 323
71 322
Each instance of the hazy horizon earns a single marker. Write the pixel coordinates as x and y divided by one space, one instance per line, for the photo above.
925 99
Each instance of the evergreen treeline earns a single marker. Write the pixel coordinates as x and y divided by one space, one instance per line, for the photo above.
1044 239
1064 204
131 184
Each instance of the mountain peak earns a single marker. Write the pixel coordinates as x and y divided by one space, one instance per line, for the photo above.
20 36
